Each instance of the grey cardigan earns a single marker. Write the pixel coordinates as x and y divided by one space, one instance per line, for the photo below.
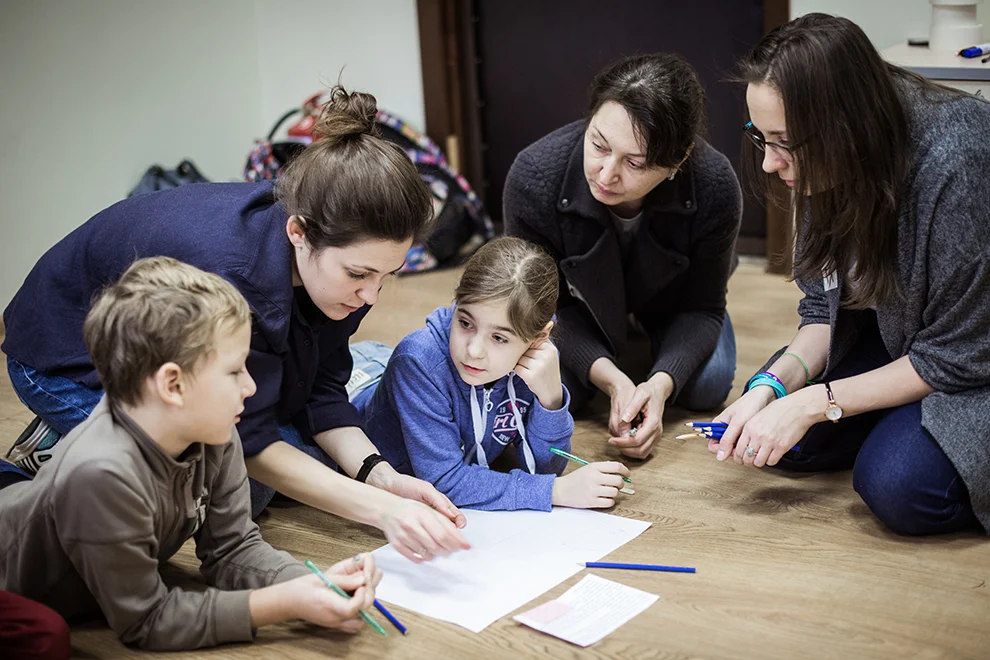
943 322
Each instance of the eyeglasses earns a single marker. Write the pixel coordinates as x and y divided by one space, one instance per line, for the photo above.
783 150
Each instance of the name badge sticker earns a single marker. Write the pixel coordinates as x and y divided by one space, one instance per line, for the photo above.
831 281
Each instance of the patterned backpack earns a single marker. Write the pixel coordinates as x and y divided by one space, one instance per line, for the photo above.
462 224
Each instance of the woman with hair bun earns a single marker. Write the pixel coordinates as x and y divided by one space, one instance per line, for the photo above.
310 255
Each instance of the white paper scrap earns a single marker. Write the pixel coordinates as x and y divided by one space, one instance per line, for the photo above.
515 556
588 611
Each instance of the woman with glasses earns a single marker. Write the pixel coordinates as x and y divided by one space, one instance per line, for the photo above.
889 372
641 216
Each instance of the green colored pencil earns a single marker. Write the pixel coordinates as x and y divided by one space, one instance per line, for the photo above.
343 594
580 461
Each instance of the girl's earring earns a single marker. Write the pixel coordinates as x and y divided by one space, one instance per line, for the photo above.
672 175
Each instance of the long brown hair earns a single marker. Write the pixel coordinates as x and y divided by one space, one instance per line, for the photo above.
842 107
518 272
350 184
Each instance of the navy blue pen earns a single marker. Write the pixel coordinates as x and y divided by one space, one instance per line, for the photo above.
640 567
716 434
976 51
390 617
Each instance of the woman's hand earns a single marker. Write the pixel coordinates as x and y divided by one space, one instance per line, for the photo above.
419 533
774 430
645 403
620 394
736 416
593 486
422 523
539 368
411 488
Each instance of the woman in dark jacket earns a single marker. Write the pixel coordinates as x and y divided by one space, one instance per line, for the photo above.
641 215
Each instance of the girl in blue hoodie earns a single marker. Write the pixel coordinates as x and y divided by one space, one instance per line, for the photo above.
480 377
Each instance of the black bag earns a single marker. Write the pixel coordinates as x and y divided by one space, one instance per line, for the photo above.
158 178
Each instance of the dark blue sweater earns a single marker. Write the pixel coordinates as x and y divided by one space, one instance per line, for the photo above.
299 357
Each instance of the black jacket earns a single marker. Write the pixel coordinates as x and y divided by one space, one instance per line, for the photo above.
674 279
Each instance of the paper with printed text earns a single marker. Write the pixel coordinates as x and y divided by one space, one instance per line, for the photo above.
588 611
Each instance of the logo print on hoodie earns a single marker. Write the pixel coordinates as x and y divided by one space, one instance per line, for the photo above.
504 427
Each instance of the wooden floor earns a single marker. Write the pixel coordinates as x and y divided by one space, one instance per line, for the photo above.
788 567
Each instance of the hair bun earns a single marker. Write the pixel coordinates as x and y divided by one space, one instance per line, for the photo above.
347 115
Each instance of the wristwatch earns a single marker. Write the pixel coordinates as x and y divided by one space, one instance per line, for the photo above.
833 412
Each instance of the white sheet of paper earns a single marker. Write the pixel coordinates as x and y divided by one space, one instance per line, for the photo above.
515 556
588 611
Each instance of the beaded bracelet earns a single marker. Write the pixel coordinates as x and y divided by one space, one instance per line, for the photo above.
767 378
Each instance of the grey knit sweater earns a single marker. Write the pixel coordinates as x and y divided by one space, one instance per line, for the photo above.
674 276
943 322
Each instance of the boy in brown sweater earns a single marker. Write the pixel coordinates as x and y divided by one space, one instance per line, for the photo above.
154 465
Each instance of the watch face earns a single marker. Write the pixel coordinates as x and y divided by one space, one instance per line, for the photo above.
833 413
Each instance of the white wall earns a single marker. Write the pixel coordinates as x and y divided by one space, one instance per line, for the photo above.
886 22
92 93
376 43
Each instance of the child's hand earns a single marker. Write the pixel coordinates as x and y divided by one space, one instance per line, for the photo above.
593 486
315 602
540 369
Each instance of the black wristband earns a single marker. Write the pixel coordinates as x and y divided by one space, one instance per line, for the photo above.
369 463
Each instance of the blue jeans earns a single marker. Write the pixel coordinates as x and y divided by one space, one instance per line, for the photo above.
370 360
61 402
898 469
706 389
906 479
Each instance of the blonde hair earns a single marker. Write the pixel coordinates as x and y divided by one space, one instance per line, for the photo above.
518 272
161 310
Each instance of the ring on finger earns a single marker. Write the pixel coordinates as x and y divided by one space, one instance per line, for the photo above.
358 559
750 452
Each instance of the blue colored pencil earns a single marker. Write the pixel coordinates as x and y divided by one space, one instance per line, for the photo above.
343 594
707 424
716 434
391 617
640 567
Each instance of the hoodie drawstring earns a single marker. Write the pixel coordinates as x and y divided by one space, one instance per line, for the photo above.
527 450
480 420
480 425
